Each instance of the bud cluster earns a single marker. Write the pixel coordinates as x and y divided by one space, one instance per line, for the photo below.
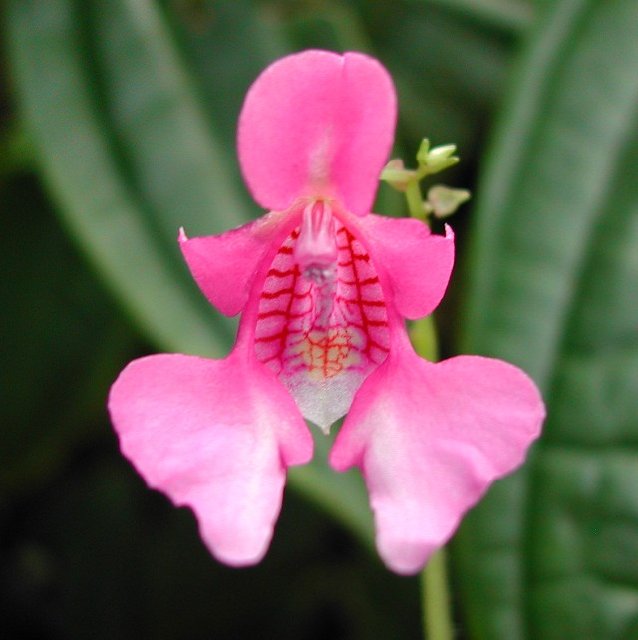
441 201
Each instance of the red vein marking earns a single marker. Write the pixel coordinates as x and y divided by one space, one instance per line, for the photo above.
269 295
376 323
278 335
368 323
338 345
357 284
355 256
376 345
278 312
271 338
367 281
286 331
280 274
367 303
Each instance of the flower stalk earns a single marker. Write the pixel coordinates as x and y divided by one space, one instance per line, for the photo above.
437 618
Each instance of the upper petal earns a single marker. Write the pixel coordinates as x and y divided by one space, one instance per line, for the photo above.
225 265
430 438
215 435
418 263
317 123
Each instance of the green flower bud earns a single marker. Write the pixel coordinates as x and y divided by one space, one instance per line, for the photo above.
445 200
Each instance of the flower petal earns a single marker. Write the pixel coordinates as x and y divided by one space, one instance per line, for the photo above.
317 123
430 438
417 262
214 435
224 265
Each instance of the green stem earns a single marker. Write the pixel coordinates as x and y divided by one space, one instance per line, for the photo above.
437 622
415 200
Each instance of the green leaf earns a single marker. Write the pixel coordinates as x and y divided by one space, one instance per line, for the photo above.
508 15
552 552
127 154
207 38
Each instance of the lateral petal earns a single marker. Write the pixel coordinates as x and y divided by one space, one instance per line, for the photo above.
430 438
317 123
224 266
216 436
417 262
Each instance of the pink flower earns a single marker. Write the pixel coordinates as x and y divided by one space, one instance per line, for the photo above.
323 287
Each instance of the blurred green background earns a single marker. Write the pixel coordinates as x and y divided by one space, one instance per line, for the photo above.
117 127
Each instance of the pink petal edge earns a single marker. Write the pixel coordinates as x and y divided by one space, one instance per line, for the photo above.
417 263
224 266
317 124
216 436
430 439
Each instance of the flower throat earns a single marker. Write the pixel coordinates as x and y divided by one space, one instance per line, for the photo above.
322 323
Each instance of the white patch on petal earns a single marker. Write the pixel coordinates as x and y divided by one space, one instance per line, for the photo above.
324 400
